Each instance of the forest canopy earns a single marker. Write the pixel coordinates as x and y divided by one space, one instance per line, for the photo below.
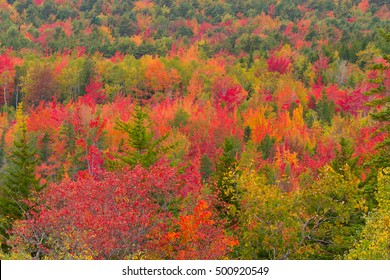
194 129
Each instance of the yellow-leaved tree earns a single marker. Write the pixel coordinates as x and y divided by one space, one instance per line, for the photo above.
374 243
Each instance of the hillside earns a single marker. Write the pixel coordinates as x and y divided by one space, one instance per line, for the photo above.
194 129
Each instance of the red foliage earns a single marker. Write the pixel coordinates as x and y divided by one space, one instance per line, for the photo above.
38 2
95 93
46 31
280 65
321 64
118 214
227 92
271 10
353 102
6 76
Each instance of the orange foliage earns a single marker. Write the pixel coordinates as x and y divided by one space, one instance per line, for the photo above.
192 241
258 122
158 78
142 5
364 5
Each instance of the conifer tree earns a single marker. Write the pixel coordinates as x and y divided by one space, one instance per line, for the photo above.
18 178
143 149
381 107
266 146
325 109
247 134
226 178
344 156
206 167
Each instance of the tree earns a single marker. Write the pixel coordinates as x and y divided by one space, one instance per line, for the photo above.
206 167
268 220
380 103
39 84
226 176
247 134
332 214
142 147
325 109
124 214
18 178
227 92
344 156
321 221
6 76
266 147
374 240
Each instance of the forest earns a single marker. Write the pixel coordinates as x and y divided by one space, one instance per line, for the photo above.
195 129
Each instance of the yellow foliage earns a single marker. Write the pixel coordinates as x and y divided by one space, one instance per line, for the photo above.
375 237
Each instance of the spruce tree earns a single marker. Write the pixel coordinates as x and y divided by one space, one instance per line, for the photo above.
247 134
266 147
344 156
380 104
206 167
381 108
226 180
18 178
143 149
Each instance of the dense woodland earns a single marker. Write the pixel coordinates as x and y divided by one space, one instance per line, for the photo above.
195 129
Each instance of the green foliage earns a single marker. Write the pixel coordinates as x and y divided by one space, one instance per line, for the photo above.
143 148
18 178
267 219
381 108
266 146
325 109
344 156
180 119
226 177
333 214
247 133
319 222
206 167
374 242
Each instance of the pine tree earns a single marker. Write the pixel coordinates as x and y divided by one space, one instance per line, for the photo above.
206 167
18 178
247 134
266 146
226 178
144 148
344 156
380 112
381 108
325 109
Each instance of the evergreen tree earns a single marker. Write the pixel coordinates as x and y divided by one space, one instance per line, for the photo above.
18 178
381 108
143 149
206 167
247 134
344 156
380 103
266 147
325 109
226 178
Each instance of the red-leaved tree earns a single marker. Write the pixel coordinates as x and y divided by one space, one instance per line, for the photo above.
119 215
